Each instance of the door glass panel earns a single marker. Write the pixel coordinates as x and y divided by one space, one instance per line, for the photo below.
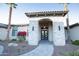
44 34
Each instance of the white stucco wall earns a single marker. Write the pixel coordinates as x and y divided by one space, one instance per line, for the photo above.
54 19
24 28
58 35
74 33
33 34
39 32
3 33
50 33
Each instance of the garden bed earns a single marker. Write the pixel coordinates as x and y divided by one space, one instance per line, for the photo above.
22 48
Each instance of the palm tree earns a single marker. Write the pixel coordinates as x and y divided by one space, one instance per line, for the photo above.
66 6
11 6
68 30
67 22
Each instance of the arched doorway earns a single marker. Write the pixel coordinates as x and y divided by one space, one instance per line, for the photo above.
45 26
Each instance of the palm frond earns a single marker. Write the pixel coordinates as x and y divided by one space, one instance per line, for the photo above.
12 4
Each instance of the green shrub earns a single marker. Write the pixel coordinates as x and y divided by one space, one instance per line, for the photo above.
21 38
14 39
73 53
76 42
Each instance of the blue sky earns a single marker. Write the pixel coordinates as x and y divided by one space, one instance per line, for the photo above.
18 16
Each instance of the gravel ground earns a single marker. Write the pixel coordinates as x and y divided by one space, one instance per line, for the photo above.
22 48
61 50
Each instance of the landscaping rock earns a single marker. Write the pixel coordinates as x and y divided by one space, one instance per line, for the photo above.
12 44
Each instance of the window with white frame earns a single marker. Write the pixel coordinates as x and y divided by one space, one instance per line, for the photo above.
14 31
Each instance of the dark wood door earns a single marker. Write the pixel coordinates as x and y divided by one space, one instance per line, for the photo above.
44 34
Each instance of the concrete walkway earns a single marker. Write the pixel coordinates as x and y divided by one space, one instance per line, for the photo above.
44 49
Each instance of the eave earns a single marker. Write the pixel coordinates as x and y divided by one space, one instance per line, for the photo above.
46 13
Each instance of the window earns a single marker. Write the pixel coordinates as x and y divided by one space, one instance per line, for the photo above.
14 31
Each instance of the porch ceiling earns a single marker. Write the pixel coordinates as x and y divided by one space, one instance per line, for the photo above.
45 22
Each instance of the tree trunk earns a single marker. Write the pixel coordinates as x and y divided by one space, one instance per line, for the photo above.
68 30
9 24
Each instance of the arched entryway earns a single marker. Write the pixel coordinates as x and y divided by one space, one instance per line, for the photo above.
45 29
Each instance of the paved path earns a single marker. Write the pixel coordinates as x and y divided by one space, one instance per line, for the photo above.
44 49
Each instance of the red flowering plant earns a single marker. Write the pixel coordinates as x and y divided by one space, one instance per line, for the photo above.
22 35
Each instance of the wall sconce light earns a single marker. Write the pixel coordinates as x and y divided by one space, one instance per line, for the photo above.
33 28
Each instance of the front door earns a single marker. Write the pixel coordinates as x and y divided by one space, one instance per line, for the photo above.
44 33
